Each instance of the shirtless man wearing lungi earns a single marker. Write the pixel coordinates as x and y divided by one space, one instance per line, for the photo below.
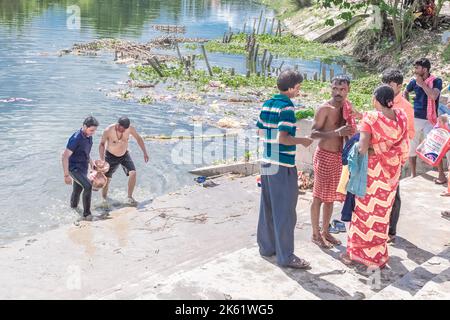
333 121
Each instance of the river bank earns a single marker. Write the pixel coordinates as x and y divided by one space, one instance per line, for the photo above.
199 243
364 44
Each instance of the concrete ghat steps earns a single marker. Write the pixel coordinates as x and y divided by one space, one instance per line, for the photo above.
418 267
430 280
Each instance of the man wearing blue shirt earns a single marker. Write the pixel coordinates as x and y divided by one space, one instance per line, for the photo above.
422 125
75 161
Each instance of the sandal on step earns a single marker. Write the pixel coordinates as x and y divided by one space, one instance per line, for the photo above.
322 243
298 263
332 240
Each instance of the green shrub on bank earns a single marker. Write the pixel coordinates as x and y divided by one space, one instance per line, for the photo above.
286 45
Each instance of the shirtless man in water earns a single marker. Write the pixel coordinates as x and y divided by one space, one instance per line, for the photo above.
333 121
114 150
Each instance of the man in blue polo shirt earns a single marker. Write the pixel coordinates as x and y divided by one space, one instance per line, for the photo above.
76 160
422 125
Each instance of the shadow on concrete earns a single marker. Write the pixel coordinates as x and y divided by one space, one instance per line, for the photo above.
315 284
395 269
414 253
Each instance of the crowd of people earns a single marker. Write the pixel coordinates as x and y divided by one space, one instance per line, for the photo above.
375 145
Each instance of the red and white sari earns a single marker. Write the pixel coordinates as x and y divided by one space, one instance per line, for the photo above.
368 233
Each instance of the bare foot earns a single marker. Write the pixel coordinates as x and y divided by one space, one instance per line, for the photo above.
320 241
331 239
346 259
391 239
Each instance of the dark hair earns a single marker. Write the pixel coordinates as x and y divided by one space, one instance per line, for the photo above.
385 95
90 122
288 79
392 75
341 78
124 122
424 63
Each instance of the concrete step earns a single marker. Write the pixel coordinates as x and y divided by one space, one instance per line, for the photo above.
430 280
418 266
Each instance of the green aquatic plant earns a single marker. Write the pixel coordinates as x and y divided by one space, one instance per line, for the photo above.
201 77
286 45
361 89
304 114
146 100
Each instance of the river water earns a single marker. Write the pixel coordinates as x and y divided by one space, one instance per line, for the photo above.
44 97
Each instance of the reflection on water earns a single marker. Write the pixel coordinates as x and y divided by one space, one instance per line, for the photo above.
44 98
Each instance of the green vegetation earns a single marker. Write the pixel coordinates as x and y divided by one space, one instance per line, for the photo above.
304 114
285 8
287 45
201 77
446 54
360 92
146 100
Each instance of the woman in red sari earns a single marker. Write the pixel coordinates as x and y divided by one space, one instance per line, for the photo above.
384 136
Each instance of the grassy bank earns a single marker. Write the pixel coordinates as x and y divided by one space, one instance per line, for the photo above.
285 45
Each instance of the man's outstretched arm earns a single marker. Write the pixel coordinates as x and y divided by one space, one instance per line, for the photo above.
140 142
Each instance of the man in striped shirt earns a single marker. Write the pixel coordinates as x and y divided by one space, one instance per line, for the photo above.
279 186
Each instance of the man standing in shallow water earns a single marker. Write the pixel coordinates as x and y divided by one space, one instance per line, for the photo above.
333 121
114 150
75 161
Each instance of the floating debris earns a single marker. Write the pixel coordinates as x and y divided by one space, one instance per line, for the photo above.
169 28
127 52
229 123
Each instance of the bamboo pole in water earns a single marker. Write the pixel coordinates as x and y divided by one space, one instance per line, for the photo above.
265 25
263 62
206 60
259 22
155 67
305 76
279 29
156 61
324 74
331 73
255 57
271 27
179 52
269 62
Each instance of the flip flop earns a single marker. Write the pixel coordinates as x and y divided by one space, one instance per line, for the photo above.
445 194
333 229
445 214
339 225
